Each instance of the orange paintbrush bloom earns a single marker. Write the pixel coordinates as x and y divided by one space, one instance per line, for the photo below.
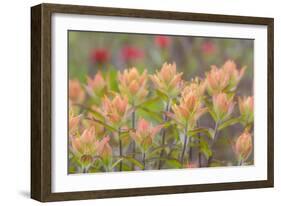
116 110
85 146
243 146
73 123
224 79
96 85
76 92
145 134
246 107
235 75
133 84
223 106
216 80
196 86
167 80
190 107
104 149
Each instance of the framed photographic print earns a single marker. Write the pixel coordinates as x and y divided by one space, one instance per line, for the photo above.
132 102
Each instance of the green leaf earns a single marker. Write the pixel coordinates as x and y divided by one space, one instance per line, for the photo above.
162 95
207 131
174 163
110 128
175 132
211 109
116 163
229 123
134 161
204 149
124 134
160 148
96 114
152 114
150 101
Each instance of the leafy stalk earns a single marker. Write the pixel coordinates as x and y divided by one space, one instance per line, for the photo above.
164 135
184 145
143 160
133 142
199 152
120 150
214 140
190 150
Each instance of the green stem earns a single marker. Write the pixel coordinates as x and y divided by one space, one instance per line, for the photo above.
216 131
84 169
199 157
199 142
184 145
240 162
214 140
143 160
120 151
133 142
164 135
190 150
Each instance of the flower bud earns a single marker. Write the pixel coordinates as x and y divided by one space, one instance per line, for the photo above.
246 107
243 146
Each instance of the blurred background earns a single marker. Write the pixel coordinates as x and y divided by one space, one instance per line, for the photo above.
89 52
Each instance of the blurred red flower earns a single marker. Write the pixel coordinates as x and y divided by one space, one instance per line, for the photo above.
208 47
162 41
100 55
130 53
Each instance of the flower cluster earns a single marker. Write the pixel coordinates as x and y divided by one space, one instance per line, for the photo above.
168 80
151 120
224 79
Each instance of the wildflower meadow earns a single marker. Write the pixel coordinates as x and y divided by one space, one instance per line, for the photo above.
150 102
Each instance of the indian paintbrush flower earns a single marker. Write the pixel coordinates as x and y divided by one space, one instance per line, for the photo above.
243 146
116 110
167 80
96 85
73 123
223 106
224 79
145 133
190 107
235 75
246 107
85 146
76 92
133 84
104 150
